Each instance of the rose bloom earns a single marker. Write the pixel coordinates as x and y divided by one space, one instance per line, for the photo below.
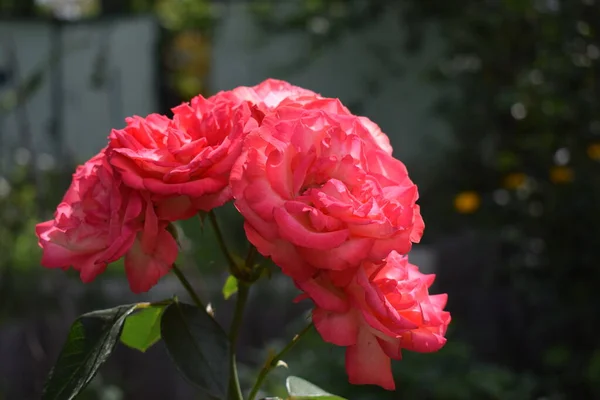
318 192
376 311
184 162
268 94
273 93
100 220
337 110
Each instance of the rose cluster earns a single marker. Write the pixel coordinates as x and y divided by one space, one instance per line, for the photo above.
320 193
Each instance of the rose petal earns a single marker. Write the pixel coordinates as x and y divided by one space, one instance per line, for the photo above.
340 329
367 364
143 269
290 228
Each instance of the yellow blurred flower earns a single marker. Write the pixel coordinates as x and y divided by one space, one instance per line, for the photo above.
191 52
514 180
593 151
561 174
467 202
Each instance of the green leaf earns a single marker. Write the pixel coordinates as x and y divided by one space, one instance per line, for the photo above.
198 346
300 389
91 340
142 329
230 287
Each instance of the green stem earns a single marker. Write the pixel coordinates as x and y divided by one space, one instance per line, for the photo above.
238 316
221 240
235 392
272 363
188 287
252 252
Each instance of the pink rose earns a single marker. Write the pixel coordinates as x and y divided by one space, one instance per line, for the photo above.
185 162
99 221
376 311
335 107
270 93
273 93
318 192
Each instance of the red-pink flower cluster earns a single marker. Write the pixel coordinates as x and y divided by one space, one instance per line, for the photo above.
319 191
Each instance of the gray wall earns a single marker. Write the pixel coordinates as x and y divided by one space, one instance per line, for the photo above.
89 113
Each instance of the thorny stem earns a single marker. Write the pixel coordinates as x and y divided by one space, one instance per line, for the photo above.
272 362
188 287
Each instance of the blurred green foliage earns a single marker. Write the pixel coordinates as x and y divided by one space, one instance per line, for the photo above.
20 203
452 374
528 77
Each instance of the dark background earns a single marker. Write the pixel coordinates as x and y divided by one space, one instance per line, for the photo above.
509 189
